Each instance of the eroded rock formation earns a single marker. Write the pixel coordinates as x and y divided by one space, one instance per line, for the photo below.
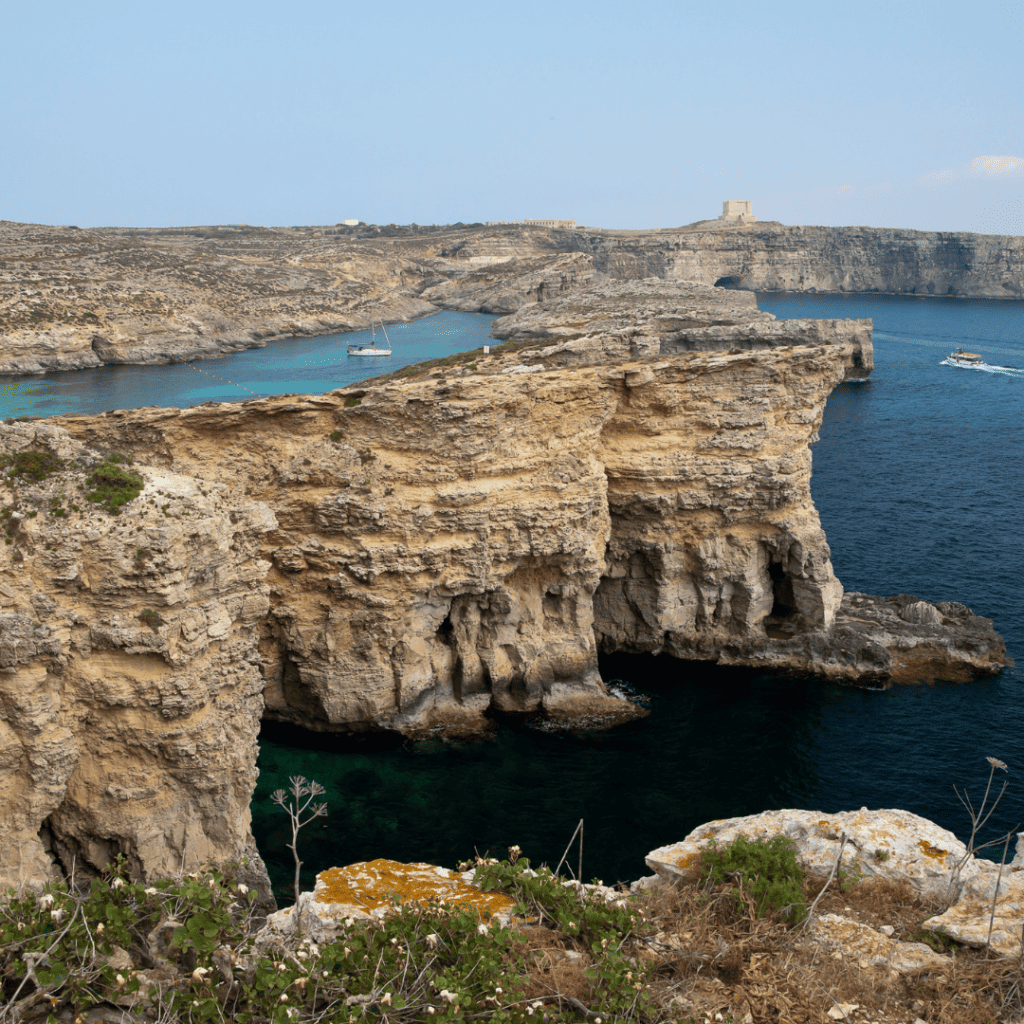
411 554
130 688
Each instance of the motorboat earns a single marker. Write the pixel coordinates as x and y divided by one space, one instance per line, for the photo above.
968 360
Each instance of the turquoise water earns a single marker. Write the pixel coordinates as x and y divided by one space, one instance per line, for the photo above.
919 481
293 366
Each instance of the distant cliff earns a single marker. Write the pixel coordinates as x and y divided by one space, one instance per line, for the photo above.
72 299
772 257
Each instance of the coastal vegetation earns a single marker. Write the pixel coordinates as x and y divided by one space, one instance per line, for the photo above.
717 946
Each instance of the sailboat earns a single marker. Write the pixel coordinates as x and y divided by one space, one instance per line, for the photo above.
372 349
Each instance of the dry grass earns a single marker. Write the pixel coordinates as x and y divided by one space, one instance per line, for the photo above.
710 956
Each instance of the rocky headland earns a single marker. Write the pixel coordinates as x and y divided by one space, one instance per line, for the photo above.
72 298
415 553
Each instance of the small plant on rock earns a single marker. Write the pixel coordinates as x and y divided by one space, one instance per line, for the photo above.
300 787
767 869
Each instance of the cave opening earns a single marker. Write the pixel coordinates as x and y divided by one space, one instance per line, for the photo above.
731 282
446 632
784 606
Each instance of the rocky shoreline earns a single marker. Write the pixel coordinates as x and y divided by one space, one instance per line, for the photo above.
74 299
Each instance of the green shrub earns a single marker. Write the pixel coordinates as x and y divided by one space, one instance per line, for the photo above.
767 869
151 618
33 463
113 486
335 436
351 403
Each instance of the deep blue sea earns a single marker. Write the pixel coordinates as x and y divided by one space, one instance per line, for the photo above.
919 481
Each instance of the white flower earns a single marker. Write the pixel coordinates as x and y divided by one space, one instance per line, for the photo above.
57 915
243 889
117 883
450 996
431 1011
386 999
284 997
433 939
150 891
120 981
482 929
199 973
497 989
100 928
282 967
46 900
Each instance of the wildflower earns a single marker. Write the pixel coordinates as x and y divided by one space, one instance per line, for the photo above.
100 928
394 942
323 974
450 996
497 989
282 967
150 891
301 983
243 889
996 763
604 943
117 883
46 900
431 1011
57 915
386 999
433 939
199 973
284 997
347 951
120 981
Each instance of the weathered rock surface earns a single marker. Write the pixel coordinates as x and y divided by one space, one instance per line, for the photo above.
71 299
359 892
667 317
890 844
130 689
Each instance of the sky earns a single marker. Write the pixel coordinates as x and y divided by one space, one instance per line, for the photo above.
615 113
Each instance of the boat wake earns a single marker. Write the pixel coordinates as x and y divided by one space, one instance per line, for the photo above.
1006 371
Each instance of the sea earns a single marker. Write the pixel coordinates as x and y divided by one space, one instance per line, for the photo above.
919 481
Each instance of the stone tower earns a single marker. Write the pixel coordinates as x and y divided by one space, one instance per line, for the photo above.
738 211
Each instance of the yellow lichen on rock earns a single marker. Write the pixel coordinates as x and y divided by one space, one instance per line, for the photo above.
374 884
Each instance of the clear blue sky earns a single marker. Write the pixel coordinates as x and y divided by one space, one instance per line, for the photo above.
632 113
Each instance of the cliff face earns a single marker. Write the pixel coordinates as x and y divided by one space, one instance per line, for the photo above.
463 541
772 257
130 689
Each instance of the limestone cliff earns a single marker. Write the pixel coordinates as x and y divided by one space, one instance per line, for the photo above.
71 299
130 688
774 257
